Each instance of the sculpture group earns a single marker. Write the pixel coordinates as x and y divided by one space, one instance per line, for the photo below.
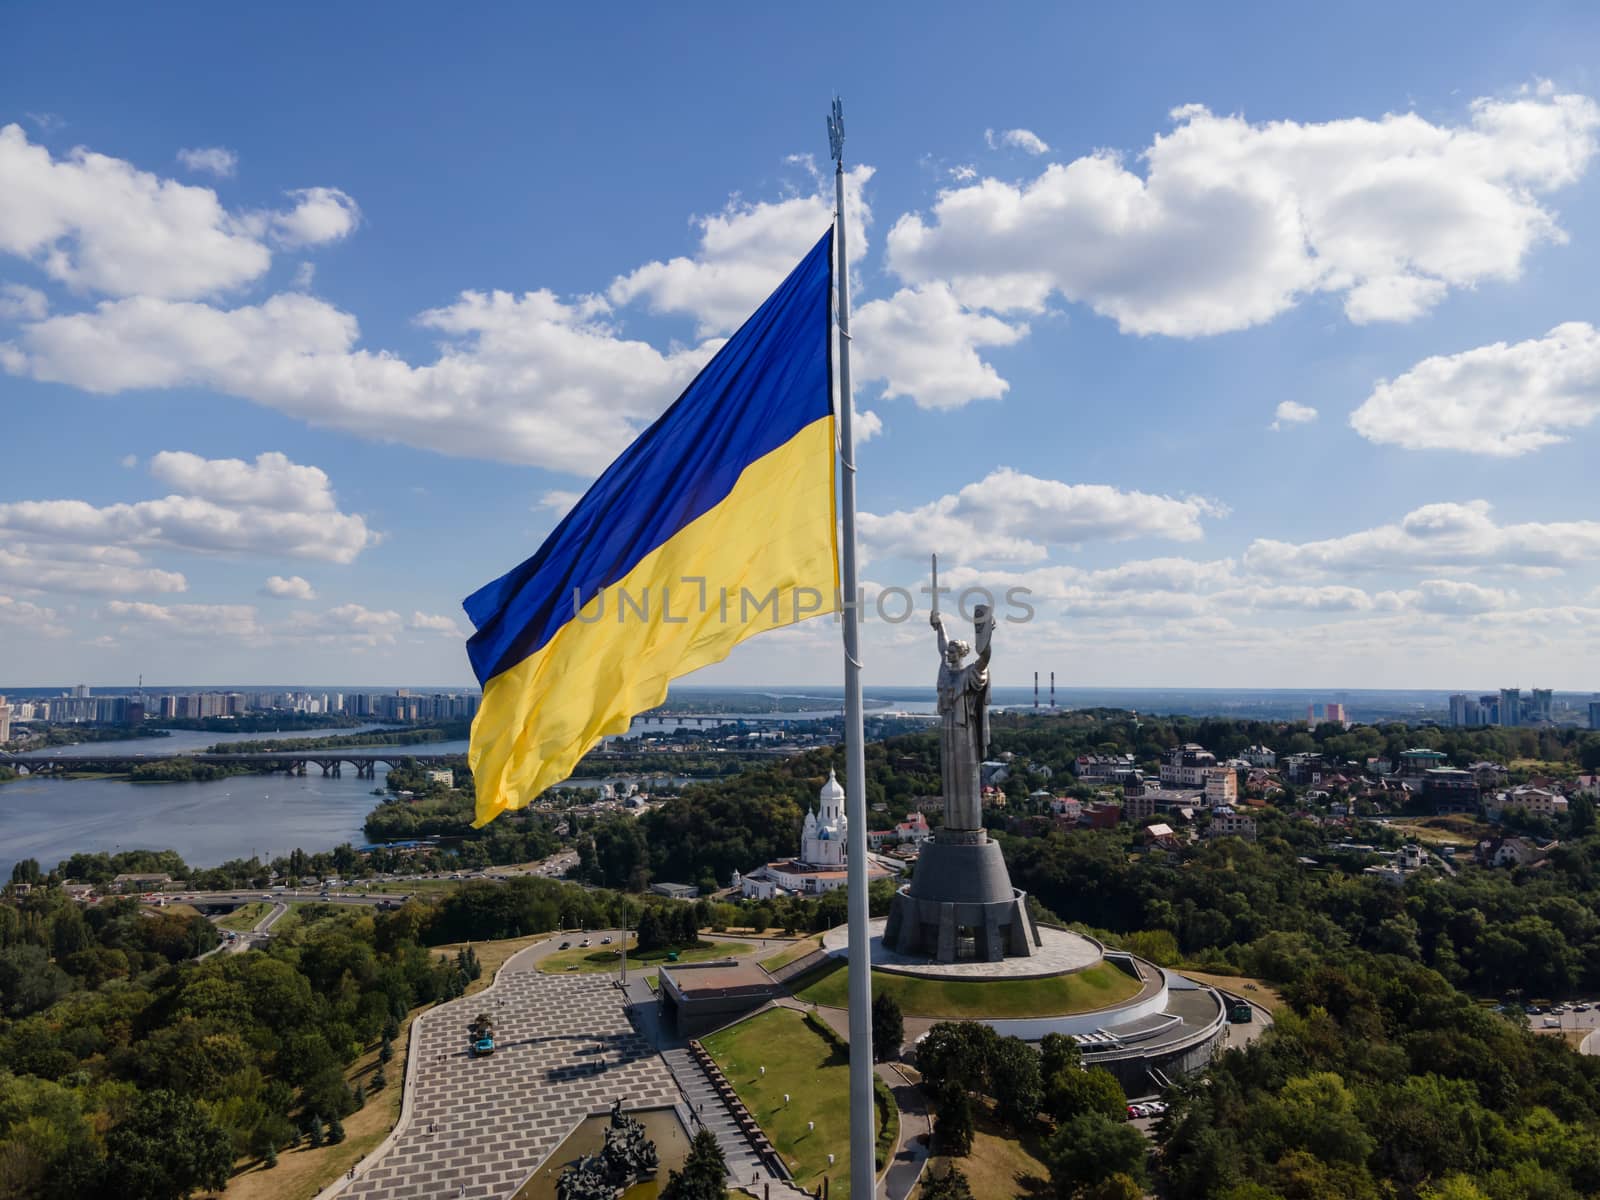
627 1155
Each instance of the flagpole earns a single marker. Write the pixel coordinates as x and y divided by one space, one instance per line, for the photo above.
863 1171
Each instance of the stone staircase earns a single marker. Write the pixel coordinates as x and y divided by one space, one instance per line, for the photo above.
753 1164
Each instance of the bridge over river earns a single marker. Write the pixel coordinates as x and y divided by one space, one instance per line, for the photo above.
290 762
297 762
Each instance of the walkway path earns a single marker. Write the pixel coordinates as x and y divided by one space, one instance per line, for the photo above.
916 1132
479 1127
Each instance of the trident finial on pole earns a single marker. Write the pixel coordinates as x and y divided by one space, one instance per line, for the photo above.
836 131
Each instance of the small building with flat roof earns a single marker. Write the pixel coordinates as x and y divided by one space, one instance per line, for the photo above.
700 997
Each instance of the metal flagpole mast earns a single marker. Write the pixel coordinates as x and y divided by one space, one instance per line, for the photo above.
863 1173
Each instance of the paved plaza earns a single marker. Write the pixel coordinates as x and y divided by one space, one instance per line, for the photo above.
480 1126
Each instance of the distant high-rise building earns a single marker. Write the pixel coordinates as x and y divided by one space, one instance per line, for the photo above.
81 691
1541 709
5 720
1510 706
1466 710
1332 712
1594 713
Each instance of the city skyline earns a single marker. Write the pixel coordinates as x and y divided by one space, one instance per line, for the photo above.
1152 331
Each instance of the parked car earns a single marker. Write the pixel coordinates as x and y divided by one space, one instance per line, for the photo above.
585 942
605 941
566 945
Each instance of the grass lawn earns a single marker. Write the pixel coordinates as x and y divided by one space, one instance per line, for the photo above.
999 1164
1095 987
1450 830
1263 993
790 953
245 916
422 889
596 957
815 1073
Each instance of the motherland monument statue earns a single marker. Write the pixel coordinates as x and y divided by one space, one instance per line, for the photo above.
960 904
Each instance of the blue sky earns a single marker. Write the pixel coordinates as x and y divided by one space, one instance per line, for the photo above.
438 269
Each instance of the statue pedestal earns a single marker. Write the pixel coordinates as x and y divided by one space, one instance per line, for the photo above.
960 905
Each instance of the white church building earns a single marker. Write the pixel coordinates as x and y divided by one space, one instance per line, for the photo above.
822 865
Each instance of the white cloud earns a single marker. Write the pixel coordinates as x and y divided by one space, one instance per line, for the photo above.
272 481
1232 223
18 302
213 160
129 461
1291 413
745 251
866 425
963 173
923 344
1501 400
559 501
1332 598
526 379
195 621
97 223
1435 535
1017 139
291 588
1012 517
438 623
274 507
95 570
304 276
347 623
319 215
1163 574
30 618
1456 596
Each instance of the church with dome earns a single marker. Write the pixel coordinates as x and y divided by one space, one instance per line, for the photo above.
822 864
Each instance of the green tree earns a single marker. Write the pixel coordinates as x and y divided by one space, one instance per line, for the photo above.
703 1173
1015 1082
1090 1149
1057 1051
954 1127
952 1185
954 1057
888 1027
166 1147
1074 1091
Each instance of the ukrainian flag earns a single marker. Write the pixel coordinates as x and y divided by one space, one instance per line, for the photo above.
716 524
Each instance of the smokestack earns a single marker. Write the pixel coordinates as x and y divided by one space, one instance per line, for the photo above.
1036 691
1052 689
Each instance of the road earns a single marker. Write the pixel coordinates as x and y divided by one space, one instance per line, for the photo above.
1569 1021
554 867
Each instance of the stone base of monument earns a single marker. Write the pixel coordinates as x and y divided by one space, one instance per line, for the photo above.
1059 952
960 905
